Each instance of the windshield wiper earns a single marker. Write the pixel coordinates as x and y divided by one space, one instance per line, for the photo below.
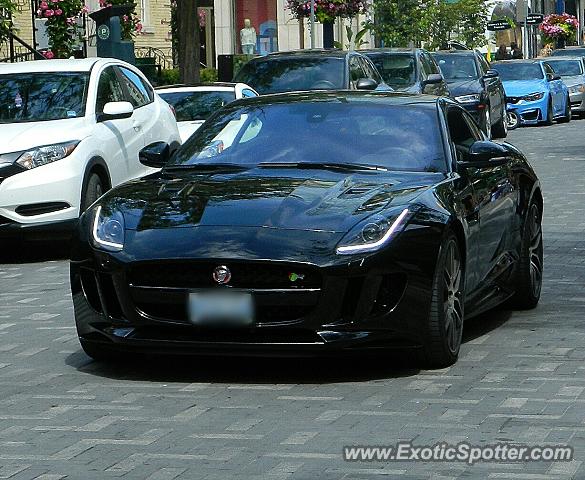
207 167
341 167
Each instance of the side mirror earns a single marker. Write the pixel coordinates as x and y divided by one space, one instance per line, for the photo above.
155 155
491 74
366 84
116 111
483 154
433 79
551 77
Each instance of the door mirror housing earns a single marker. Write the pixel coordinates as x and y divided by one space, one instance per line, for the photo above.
155 155
433 79
366 84
484 154
491 74
551 77
116 111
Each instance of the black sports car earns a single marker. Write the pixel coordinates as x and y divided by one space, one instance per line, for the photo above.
308 223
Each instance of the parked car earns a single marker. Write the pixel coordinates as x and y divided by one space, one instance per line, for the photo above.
311 70
349 233
411 70
535 93
572 72
569 52
476 87
70 130
193 104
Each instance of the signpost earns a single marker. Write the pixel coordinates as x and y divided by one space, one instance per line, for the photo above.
498 25
534 19
312 23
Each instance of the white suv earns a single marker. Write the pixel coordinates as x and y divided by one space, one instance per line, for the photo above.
69 131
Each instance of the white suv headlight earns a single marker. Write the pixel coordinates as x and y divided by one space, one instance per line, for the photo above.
38 156
108 229
373 233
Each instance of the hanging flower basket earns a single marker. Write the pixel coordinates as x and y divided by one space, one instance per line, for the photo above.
327 10
559 28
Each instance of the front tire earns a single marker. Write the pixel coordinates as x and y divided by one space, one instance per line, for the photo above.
549 115
93 190
500 129
566 118
445 327
530 264
513 120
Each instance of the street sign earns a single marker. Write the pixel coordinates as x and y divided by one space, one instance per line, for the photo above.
498 25
534 19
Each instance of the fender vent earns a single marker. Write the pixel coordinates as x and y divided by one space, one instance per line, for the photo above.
40 208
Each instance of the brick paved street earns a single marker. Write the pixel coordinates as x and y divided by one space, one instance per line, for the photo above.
521 378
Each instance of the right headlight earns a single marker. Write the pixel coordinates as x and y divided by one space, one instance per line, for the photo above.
108 229
35 157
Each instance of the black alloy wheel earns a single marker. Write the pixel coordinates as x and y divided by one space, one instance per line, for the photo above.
530 266
445 329
549 114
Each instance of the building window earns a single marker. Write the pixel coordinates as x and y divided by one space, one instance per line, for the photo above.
256 24
145 17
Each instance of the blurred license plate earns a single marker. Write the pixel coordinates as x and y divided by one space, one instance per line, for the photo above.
221 309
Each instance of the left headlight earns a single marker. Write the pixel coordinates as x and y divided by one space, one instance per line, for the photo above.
373 233
108 229
468 98
534 97
38 156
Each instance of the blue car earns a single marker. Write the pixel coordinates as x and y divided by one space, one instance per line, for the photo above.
535 94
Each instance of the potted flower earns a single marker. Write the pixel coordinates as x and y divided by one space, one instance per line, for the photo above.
326 11
558 28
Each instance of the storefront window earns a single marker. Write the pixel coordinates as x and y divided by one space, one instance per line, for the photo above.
256 23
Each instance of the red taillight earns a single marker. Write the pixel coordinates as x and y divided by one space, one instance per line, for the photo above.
481 106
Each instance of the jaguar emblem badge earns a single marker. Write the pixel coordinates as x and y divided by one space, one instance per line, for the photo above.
222 275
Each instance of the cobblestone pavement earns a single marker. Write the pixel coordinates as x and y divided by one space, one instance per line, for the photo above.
521 378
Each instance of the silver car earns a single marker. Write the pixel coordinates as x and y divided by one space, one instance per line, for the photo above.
572 71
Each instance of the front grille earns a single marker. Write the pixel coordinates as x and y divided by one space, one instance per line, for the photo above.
531 116
249 275
284 306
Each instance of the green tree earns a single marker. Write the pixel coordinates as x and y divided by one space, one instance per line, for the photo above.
398 22
7 9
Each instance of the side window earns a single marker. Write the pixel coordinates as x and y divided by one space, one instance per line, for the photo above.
462 133
371 70
432 65
483 64
109 89
355 70
548 68
426 66
137 91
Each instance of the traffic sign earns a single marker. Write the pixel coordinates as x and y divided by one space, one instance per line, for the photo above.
534 19
498 25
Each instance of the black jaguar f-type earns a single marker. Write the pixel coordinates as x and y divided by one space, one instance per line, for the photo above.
311 223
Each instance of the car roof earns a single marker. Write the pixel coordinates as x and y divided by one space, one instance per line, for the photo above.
392 50
519 61
561 58
456 52
387 98
69 65
197 85
311 52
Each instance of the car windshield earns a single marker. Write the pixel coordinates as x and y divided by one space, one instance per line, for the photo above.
198 105
457 67
397 70
345 132
276 75
566 68
519 71
40 97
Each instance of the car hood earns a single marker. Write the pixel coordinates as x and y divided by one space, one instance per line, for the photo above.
276 199
16 137
573 80
458 88
518 88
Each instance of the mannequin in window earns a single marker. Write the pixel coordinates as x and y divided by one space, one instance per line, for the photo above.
248 38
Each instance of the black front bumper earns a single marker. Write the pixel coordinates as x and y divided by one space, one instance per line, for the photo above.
36 231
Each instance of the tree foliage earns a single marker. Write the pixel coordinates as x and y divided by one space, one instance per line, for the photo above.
7 9
432 22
